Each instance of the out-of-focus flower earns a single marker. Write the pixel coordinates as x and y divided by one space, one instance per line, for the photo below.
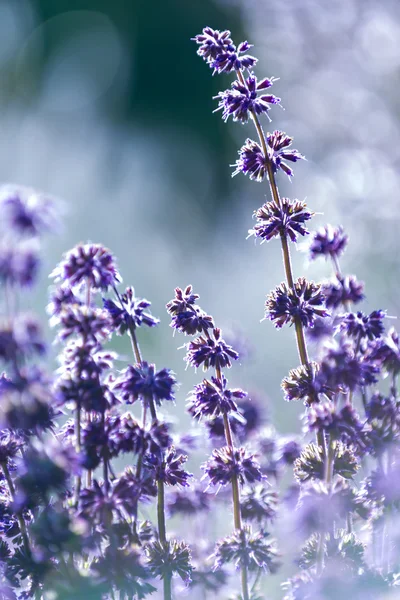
165 559
247 549
386 352
328 241
90 264
359 326
259 504
26 212
19 264
143 381
342 291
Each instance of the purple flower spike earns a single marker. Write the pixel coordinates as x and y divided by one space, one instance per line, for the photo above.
218 50
132 312
227 462
90 264
287 219
26 212
210 352
213 398
142 380
305 303
328 241
243 99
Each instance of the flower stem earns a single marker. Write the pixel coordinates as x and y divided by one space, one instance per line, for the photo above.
78 480
162 534
237 517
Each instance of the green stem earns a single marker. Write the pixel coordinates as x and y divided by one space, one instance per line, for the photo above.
20 518
78 479
162 534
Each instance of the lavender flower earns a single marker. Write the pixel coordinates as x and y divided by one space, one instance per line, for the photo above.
243 547
286 219
26 212
213 398
218 50
19 265
168 468
210 352
303 383
359 326
132 312
90 324
187 316
304 302
328 241
243 99
386 352
166 559
90 264
142 380
226 463
343 290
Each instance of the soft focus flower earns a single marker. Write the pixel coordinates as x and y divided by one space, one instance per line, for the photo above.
26 212
19 264
245 548
286 219
342 291
386 352
166 559
259 504
143 381
359 326
244 99
90 264
328 241
304 302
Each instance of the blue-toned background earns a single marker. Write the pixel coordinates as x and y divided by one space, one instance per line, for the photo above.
106 106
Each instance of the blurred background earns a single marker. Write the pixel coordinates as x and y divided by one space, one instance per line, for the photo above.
106 106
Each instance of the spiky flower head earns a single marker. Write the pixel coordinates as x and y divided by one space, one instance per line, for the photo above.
360 326
89 323
253 162
167 467
329 242
287 218
26 212
90 264
304 303
220 53
243 548
187 316
260 504
130 312
214 398
143 381
243 99
310 464
169 558
343 290
210 352
386 352
226 463
304 384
